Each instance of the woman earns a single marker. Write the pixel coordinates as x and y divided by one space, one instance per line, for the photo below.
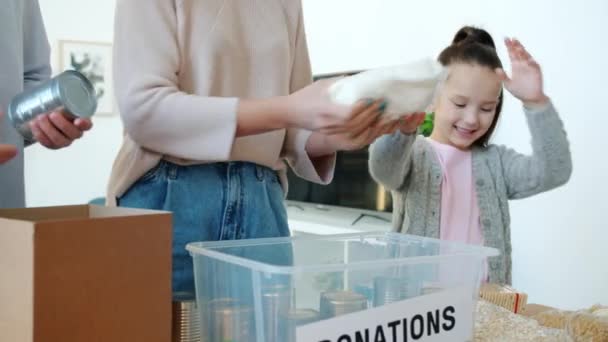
215 96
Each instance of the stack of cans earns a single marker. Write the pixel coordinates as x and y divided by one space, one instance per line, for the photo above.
185 323
276 301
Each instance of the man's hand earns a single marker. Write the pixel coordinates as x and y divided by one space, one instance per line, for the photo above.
55 131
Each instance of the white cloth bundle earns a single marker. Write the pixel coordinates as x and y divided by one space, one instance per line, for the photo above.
408 88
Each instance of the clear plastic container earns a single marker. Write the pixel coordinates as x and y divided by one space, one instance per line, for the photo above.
261 289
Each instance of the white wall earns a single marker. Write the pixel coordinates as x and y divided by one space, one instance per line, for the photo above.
559 238
79 173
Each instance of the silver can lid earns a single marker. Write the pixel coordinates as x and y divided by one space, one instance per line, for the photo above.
228 306
78 93
302 314
344 297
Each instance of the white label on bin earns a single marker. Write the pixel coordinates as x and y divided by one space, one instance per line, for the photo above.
441 316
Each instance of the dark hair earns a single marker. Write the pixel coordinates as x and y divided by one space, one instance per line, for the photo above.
475 46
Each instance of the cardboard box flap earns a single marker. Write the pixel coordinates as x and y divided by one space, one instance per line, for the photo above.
16 282
72 212
96 211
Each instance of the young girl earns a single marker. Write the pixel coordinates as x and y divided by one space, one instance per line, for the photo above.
455 185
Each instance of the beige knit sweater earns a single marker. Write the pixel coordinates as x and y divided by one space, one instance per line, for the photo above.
180 67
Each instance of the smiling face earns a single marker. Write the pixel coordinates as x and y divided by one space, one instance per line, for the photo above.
466 106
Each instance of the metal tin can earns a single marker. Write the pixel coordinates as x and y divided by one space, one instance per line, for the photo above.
276 301
431 288
229 320
69 92
297 317
337 303
185 321
366 290
389 290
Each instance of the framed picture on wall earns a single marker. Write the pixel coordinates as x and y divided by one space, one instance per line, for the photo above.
93 60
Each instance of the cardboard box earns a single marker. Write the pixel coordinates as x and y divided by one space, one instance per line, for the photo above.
86 274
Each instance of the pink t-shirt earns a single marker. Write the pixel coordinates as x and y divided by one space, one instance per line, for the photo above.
459 209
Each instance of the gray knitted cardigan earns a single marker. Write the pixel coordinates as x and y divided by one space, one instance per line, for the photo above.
407 165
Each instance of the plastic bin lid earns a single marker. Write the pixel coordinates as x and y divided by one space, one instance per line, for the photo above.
391 249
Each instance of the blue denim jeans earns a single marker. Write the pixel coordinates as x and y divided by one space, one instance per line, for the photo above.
219 201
